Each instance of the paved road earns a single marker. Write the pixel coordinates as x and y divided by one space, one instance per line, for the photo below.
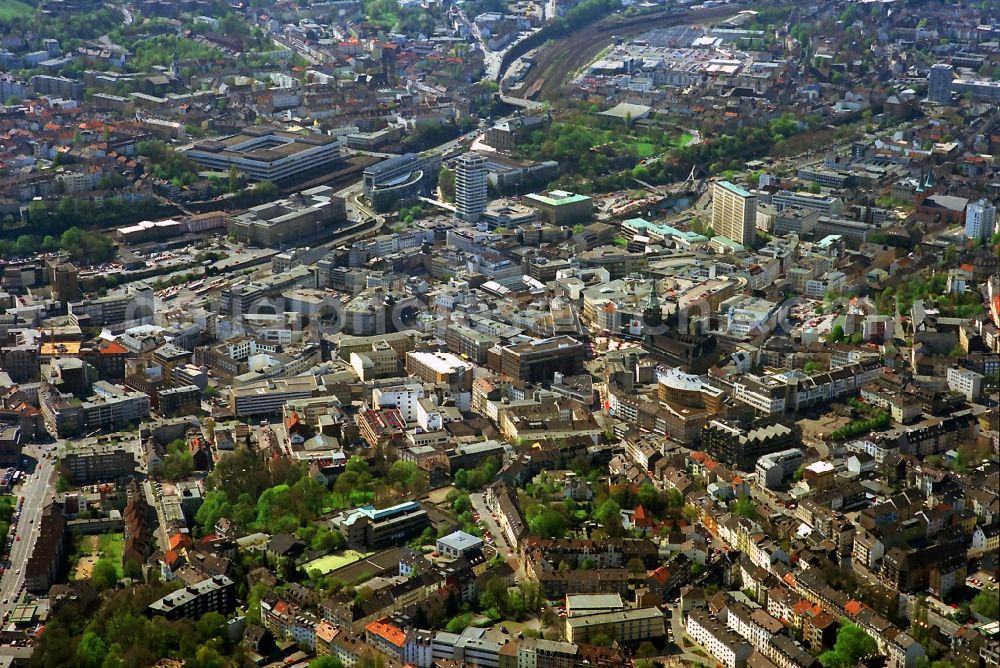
687 657
37 490
486 518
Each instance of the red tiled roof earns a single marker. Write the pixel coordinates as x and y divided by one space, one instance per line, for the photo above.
179 540
854 608
384 629
801 606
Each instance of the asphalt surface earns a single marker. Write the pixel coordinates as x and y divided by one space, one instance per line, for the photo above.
499 542
38 489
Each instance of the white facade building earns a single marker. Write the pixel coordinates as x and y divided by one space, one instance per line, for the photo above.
980 220
470 186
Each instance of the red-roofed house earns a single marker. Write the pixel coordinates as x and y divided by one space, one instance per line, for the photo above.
386 637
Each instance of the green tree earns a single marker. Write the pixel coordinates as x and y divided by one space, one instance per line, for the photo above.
987 603
495 597
744 507
459 623
326 662
114 658
90 651
253 602
548 523
691 513
214 506
852 644
178 463
208 656
608 515
105 574
210 625
446 181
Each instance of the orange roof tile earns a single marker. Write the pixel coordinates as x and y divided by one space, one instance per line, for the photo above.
661 575
384 629
801 606
179 540
854 608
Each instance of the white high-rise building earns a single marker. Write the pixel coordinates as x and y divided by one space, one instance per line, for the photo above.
470 186
980 220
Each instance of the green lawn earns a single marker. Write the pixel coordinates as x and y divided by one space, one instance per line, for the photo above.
644 149
14 9
111 546
332 562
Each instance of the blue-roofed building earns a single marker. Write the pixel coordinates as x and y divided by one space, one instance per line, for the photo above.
374 529
661 232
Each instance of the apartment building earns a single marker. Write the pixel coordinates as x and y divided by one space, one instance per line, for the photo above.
775 469
404 398
469 343
734 212
45 562
267 397
131 306
112 407
470 186
727 647
826 205
625 626
216 594
756 626
90 462
966 382
980 220
742 448
503 503
435 367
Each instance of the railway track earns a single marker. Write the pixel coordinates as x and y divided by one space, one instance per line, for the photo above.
558 59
